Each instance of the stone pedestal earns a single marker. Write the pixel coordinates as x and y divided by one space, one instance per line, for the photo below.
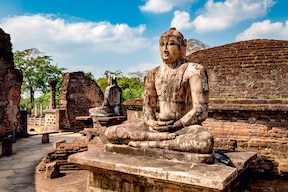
99 124
110 171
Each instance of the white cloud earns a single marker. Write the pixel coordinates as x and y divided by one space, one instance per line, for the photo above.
45 29
181 20
80 42
218 16
161 6
265 30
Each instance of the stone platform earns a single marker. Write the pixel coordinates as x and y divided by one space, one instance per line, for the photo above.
111 171
156 153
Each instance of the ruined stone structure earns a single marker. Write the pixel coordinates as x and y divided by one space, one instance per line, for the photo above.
254 69
248 104
10 88
77 95
56 158
170 150
182 109
248 84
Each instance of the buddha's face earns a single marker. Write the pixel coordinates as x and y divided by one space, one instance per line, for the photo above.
171 49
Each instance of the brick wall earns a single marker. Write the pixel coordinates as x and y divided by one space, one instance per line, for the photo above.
77 95
255 69
249 97
254 125
10 88
248 107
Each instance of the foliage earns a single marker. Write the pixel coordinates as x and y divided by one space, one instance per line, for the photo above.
139 74
88 74
25 104
194 45
132 87
117 73
102 82
43 99
36 70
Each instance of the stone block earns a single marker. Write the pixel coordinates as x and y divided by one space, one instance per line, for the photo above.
7 146
56 144
110 170
52 170
45 138
161 153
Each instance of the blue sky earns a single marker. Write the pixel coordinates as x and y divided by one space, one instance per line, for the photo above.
95 36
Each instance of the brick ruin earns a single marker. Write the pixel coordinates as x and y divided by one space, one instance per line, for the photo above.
254 69
248 104
77 95
10 89
248 95
56 157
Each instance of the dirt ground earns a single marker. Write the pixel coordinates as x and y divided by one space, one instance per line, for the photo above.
72 181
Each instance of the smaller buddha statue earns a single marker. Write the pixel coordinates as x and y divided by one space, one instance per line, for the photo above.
111 105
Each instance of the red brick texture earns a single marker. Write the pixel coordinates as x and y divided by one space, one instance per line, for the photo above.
10 88
247 69
77 95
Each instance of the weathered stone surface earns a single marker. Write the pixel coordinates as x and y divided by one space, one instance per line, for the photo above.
58 155
111 105
247 69
97 125
52 170
180 90
161 153
114 169
78 94
242 124
10 88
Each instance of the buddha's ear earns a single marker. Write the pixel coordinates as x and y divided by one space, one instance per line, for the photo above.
184 42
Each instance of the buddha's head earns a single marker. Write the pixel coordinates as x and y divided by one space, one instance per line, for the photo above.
172 46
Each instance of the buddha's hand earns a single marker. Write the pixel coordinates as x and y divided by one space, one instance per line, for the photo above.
170 126
152 123
161 126
177 125
165 123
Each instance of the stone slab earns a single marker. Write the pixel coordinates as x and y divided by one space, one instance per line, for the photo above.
161 153
209 176
83 118
241 160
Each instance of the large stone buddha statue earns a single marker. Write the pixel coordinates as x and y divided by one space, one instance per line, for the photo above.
176 98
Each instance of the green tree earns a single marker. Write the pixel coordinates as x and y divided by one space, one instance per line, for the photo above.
37 69
88 74
132 87
102 82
